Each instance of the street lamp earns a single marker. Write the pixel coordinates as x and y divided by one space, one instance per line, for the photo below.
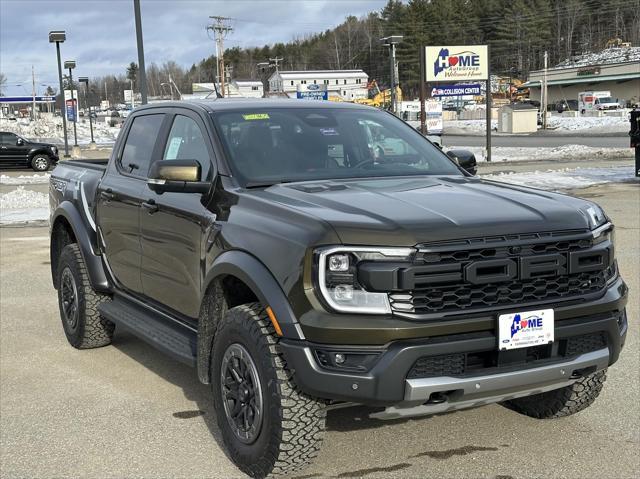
58 37
85 80
391 41
70 65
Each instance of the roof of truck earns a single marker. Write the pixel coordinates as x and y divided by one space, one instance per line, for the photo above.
230 104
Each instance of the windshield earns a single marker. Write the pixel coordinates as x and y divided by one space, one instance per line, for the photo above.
273 145
607 99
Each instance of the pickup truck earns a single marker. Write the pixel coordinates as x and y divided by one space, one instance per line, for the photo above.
16 151
266 244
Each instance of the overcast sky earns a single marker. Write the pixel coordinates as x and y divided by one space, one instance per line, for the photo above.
101 33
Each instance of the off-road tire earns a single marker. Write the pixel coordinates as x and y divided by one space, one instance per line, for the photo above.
292 423
561 402
40 162
90 330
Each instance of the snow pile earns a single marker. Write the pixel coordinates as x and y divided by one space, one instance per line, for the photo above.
453 127
51 130
565 152
603 124
25 179
23 206
568 178
610 55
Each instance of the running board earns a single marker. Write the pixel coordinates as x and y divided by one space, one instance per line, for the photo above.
157 329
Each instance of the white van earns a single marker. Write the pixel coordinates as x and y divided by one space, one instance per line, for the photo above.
590 100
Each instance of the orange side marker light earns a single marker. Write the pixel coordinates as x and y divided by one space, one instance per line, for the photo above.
274 321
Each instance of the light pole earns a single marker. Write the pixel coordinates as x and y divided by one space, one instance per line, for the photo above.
142 74
85 80
70 65
58 37
391 41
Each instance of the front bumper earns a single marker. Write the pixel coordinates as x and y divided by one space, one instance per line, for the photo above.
385 381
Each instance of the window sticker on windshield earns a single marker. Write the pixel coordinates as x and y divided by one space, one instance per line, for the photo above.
256 116
174 146
329 132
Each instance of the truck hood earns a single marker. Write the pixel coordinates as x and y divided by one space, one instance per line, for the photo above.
408 211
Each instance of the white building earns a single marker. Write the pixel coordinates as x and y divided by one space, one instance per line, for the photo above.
616 70
235 89
344 84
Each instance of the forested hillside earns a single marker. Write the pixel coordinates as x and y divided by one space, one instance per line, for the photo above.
518 31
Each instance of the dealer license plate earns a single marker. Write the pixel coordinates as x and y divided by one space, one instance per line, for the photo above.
524 329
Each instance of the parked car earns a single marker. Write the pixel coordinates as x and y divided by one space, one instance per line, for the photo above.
608 103
16 151
265 244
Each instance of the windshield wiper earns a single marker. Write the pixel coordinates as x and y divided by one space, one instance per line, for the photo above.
264 184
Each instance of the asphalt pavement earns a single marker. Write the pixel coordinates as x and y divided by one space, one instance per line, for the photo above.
127 410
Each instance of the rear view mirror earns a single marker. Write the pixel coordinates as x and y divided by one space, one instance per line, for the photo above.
466 160
177 176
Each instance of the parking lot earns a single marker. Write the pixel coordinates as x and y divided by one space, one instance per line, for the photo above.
129 411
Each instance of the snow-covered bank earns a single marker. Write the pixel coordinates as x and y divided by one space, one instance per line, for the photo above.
23 206
565 152
50 130
556 125
35 179
568 178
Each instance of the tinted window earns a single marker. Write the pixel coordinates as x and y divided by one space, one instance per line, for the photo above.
9 138
138 149
299 144
186 142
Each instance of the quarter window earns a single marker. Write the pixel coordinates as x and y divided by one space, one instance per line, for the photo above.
141 140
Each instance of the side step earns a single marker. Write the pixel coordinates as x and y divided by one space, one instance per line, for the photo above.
159 330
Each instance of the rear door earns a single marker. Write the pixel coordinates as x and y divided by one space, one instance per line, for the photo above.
120 195
173 225
12 154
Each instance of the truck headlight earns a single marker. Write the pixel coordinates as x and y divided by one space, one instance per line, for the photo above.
595 215
337 277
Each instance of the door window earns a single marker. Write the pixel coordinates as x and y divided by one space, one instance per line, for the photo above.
8 138
141 141
186 142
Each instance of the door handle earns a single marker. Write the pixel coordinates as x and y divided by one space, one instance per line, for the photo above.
107 195
150 206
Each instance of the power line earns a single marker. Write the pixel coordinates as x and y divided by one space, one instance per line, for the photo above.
220 29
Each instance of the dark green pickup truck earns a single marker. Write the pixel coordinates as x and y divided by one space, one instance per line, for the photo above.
299 268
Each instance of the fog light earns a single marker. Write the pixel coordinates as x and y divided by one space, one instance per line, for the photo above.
340 359
339 262
343 292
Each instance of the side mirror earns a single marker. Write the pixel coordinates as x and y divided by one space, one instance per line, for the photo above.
179 176
20 142
465 159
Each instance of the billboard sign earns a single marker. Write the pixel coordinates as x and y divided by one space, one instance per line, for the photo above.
456 63
312 92
27 99
67 94
456 90
71 109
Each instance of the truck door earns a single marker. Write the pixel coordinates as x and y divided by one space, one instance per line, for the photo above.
119 200
13 153
173 225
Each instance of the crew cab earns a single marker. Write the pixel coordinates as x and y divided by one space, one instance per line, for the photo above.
267 244
16 151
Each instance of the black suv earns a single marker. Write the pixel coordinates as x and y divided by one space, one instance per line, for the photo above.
16 151
299 266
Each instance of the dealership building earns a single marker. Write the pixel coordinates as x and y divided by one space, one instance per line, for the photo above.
616 70
344 84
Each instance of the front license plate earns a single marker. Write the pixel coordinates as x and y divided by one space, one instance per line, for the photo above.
521 330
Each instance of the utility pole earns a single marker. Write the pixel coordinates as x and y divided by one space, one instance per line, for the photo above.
391 42
543 96
220 29
142 74
106 95
33 90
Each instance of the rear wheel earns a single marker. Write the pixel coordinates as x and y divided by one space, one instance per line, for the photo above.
78 301
561 402
40 162
268 426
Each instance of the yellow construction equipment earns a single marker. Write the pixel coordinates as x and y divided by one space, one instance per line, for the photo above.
377 97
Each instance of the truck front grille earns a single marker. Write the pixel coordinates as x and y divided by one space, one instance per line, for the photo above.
502 271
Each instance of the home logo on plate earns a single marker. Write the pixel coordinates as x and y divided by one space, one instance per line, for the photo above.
530 323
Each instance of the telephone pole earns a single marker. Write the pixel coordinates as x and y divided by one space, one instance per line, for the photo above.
543 106
220 29
33 91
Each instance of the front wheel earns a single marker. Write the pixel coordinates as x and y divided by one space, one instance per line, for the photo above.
561 402
40 162
268 426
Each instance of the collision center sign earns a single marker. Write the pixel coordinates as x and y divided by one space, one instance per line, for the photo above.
456 90
456 63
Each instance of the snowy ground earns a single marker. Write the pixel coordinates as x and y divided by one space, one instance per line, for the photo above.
565 152
35 179
50 130
556 124
23 206
568 178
